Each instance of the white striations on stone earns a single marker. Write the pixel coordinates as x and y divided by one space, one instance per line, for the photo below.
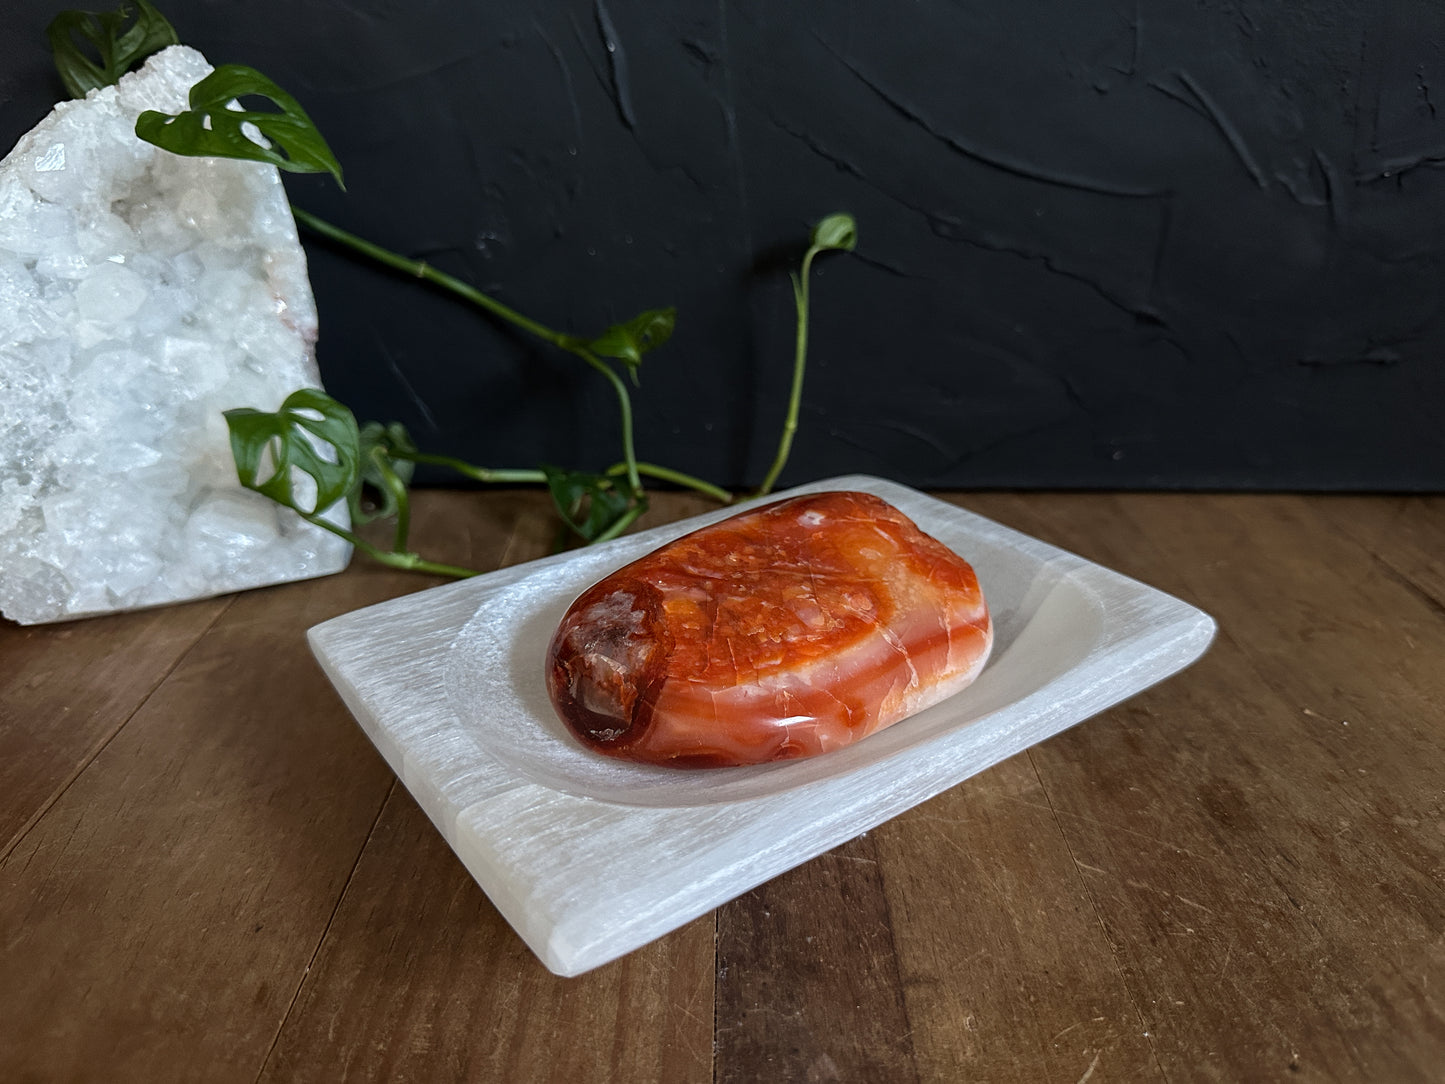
142 294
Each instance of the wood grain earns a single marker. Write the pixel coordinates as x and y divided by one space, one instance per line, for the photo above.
1237 875
808 984
1404 534
1240 829
1006 976
106 667
212 836
419 979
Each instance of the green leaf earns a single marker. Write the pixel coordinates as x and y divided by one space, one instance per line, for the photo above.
216 126
118 46
381 470
837 231
587 503
311 433
630 340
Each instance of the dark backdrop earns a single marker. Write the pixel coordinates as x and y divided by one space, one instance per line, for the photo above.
1130 243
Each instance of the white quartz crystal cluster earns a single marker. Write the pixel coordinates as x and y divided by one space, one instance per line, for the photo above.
141 294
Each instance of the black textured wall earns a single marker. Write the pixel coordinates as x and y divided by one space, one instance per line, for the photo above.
1125 243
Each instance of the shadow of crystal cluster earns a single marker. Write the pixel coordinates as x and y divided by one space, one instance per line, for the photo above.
142 294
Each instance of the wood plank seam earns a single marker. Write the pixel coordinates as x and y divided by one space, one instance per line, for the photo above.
1401 577
716 985
1103 928
325 932
900 994
104 742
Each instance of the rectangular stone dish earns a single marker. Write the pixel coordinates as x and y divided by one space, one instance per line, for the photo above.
589 858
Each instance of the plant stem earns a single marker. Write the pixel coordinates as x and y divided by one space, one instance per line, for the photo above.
624 403
397 490
623 522
800 360
408 561
423 270
403 513
480 474
677 477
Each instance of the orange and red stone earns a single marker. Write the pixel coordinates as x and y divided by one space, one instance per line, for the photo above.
787 631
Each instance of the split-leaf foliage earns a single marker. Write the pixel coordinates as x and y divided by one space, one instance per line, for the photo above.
94 49
218 124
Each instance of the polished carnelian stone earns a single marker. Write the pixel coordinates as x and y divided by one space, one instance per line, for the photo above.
786 631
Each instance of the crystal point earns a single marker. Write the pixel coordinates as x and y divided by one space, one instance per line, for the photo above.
142 294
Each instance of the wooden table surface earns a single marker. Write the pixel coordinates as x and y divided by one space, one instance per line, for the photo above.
207 873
